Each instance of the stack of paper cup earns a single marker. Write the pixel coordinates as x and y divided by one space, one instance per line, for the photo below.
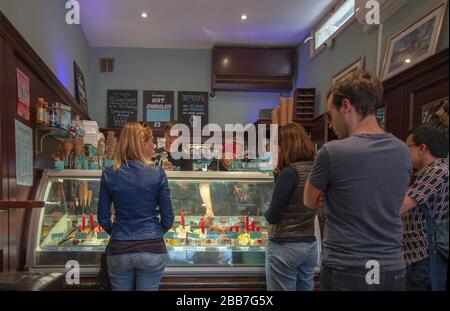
290 109
283 111
276 116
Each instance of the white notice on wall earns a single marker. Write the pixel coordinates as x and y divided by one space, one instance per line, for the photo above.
24 155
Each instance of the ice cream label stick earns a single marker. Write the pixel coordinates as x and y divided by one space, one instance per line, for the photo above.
83 226
182 219
202 222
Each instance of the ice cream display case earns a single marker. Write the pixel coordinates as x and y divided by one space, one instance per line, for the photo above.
219 225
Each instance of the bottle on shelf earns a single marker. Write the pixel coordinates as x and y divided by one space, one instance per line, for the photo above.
47 114
40 111
53 117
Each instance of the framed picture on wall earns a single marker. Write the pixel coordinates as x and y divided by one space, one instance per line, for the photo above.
414 44
436 113
357 65
80 87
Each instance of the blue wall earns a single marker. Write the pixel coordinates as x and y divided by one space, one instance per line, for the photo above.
170 70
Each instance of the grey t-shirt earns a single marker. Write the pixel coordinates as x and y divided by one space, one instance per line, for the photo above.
365 178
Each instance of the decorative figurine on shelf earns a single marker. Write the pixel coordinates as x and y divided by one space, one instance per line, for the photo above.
101 152
63 158
67 152
79 160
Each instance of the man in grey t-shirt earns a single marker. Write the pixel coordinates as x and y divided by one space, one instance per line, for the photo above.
362 179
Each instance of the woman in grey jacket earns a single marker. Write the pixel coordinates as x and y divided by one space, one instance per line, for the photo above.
292 248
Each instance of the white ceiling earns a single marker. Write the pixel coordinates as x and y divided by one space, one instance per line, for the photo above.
198 23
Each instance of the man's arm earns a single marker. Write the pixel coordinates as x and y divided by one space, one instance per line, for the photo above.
313 197
408 203
317 183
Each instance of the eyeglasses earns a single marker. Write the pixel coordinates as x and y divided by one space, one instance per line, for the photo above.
412 145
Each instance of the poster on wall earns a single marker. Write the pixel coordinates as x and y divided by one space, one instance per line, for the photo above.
24 154
23 95
80 87
436 113
191 105
122 107
158 108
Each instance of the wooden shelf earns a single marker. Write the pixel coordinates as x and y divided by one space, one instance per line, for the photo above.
304 106
4 205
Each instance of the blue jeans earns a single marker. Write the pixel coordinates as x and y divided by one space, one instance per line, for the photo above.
418 274
290 266
353 279
136 271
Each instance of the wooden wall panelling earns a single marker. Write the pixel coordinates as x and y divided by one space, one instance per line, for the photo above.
424 93
3 166
15 53
406 93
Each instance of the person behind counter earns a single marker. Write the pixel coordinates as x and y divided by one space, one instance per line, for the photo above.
136 254
292 249
163 156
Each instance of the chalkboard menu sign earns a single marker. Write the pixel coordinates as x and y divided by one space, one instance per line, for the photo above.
158 108
192 104
122 107
80 87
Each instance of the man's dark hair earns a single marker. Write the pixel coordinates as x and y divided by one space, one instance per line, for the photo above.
436 139
363 89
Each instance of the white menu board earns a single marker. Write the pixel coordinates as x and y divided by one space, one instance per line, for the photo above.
24 155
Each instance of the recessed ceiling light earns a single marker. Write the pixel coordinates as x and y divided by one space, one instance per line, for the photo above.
244 17
407 61
144 14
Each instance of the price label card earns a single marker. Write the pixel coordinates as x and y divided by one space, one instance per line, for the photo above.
233 220
81 236
102 235
212 236
255 235
48 221
195 219
194 236
232 235
169 235
57 236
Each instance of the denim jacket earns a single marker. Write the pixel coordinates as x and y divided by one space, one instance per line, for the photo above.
141 197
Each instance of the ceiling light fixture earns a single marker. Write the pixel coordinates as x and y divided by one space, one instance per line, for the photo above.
243 17
144 14
407 61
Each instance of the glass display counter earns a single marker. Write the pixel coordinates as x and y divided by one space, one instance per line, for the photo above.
219 224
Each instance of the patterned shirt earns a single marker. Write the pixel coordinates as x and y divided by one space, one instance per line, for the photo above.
430 185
